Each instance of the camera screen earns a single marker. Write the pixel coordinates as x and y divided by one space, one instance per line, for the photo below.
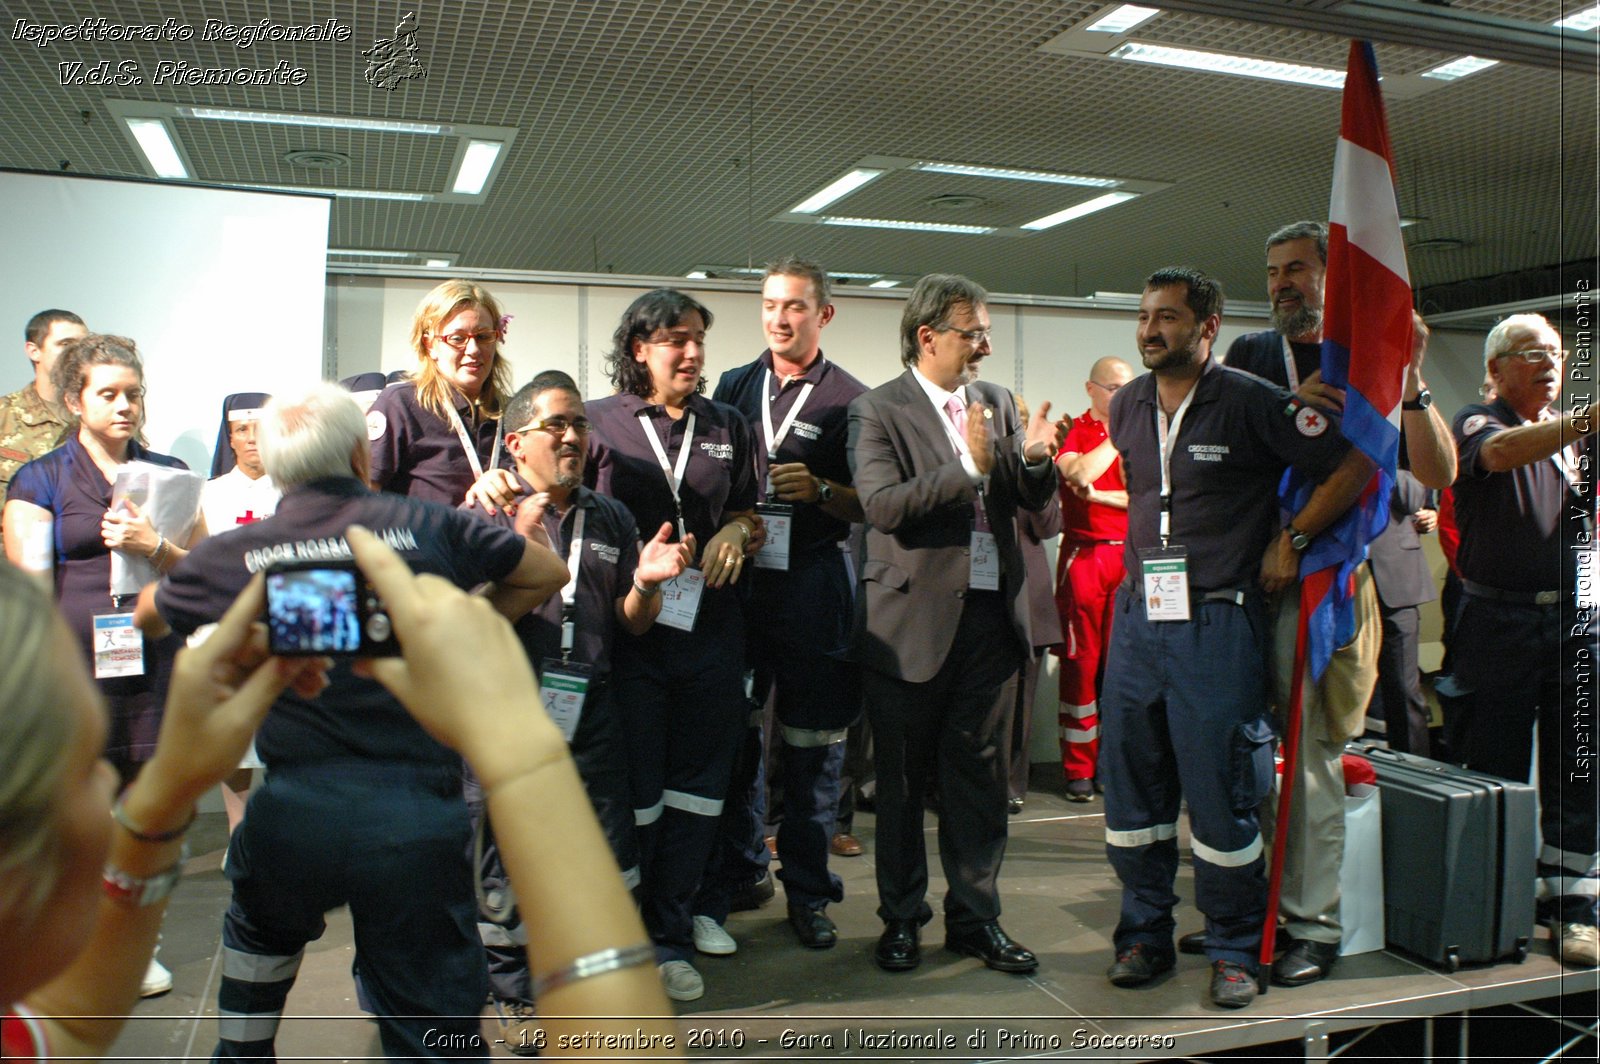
314 611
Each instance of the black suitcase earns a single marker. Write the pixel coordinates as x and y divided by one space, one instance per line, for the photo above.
1458 859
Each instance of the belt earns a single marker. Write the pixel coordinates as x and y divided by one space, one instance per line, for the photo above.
1226 594
1495 594
1094 542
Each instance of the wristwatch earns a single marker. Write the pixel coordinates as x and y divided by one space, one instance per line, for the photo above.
1423 400
824 491
1297 539
127 889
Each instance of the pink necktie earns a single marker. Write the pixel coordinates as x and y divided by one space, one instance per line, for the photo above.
958 417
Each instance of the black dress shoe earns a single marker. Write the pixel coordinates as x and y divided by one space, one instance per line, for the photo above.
1013 806
899 949
753 895
1233 986
813 927
1305 962
1138 964
991 945
1194 943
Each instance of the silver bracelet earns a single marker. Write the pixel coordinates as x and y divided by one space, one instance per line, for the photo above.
643 592
592 964
159 553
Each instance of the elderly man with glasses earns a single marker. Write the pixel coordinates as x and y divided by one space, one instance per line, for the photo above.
1525 636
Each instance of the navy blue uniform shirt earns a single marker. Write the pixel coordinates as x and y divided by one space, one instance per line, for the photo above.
354 717
719 479
817 437
605 573
1518 527
1261 353
1238 435
417 453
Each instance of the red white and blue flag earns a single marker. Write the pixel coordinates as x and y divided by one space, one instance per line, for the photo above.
1366 344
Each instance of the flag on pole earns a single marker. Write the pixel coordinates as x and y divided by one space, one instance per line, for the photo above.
1366 344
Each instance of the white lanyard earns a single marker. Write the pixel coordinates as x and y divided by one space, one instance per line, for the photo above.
472 451
775 440
1167 443
673 473
1290 370
569 593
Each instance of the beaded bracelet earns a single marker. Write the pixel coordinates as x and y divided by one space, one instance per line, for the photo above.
598 963
120 815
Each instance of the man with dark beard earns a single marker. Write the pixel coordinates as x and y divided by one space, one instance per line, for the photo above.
1203 447
614 582
1333 707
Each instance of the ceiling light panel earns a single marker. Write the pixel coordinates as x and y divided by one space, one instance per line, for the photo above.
158 147
1007 173
1581 21
1099 203
1121 19
1223 63
1460 68
835 190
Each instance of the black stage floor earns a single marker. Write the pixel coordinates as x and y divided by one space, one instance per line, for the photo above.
775 999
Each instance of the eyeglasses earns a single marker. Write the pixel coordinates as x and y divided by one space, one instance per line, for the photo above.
557 426
486 339
1535 355
975 337
1112 388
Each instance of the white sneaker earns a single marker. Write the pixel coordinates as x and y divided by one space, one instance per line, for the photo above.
157 980
710 937
681 981
1577 944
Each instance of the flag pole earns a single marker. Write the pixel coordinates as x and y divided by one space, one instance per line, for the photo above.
1291 761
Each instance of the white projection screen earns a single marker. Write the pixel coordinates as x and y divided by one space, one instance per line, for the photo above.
222 289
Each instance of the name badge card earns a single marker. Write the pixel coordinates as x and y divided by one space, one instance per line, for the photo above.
983 570
1165 575
774 553
118 646
680 600
563 685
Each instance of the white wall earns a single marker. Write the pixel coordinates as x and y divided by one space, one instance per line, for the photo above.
222 290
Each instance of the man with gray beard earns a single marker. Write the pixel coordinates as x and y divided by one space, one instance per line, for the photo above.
1334 707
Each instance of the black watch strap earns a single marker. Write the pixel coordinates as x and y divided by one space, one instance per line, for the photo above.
1423 400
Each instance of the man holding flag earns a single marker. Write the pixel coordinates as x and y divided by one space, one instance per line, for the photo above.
1371 360
1333 706
1184 704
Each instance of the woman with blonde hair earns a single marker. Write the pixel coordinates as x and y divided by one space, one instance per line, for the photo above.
436 434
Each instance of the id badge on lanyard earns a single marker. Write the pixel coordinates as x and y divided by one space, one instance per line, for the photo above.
118 646
1164 570
563 685
680 600
1164 576
779 519
983 562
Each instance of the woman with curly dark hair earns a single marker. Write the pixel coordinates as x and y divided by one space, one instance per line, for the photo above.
673 456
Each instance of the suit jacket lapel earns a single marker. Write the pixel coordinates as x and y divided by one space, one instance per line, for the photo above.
924 421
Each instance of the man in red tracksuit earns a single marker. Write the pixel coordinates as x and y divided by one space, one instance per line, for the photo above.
1088 570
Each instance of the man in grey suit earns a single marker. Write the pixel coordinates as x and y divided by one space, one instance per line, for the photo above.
941 463
1400 573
